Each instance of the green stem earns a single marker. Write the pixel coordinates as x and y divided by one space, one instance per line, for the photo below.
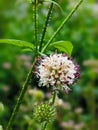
20 99
54 97
44 127
62 24
35 22
45 26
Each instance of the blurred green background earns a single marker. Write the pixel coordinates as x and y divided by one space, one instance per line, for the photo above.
78 111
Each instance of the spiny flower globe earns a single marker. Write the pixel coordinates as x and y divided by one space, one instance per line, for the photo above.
45 112
57 70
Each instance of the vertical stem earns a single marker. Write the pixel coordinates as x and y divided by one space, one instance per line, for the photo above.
62 24
20 99
35 22
54 97
45 26
44 127
92 105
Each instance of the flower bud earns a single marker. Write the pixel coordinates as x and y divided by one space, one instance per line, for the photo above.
45 112
38 95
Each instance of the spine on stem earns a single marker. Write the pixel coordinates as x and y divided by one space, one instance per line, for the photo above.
35 24
45 26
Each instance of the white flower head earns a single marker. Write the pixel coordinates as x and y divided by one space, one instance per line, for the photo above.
57 70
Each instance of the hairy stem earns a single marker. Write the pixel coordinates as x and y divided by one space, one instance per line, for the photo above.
20 99
45 26
35 22
62 24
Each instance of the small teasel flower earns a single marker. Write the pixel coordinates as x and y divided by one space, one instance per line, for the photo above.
57 70
45 112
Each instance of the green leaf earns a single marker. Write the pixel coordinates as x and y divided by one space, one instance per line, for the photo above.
27 50
63 46
18 43
29 1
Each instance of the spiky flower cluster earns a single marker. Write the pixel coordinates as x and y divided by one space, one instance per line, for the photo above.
45 112
57 70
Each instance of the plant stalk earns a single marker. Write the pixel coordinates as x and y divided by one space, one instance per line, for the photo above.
54 97
35 22
45 26
62 24
44 127
20 99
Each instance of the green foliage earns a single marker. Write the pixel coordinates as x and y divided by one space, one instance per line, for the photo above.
63 46
19 43
81 30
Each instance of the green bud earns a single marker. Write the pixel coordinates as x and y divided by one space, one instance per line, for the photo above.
45 112
38 95
1 107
